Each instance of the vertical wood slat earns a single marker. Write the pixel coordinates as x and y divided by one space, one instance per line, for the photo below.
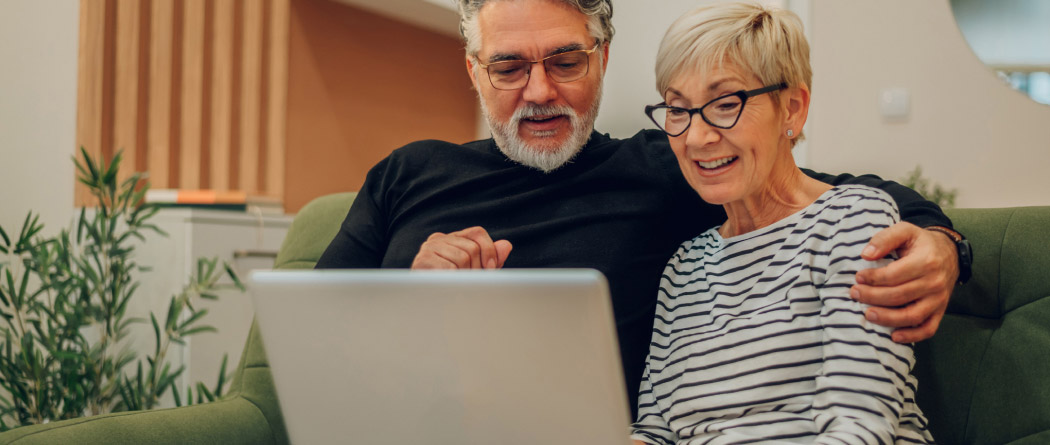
109 49
192 92
251 63
142 108
89 84
277 97
126 89
161 29
221 97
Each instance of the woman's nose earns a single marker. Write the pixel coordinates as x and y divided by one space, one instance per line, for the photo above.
700 133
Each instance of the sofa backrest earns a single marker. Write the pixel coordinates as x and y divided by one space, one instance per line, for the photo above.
312 230
985 376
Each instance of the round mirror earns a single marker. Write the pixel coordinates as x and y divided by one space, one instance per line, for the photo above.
1012 37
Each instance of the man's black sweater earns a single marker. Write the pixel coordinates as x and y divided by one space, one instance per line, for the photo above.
621 207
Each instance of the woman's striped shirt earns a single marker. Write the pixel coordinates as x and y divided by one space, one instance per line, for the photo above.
757 340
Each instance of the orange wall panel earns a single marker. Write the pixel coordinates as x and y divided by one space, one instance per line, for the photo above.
361 85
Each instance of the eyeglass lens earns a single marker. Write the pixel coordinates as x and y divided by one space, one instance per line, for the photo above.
564 67
722 112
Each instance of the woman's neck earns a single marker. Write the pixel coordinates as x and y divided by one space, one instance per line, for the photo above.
787 191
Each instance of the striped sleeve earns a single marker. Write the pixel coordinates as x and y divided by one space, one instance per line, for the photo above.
859 395
650 426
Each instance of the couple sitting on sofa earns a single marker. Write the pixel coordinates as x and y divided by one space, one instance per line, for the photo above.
779 270
549 191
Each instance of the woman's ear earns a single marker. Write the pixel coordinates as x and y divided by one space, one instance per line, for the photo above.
796 105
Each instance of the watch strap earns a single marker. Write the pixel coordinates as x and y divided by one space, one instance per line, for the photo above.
962 249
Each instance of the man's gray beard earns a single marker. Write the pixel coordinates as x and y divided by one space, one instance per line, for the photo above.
545 159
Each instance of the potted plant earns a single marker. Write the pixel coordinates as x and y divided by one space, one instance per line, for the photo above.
64 301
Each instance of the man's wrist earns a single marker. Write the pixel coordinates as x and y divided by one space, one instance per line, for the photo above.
962 249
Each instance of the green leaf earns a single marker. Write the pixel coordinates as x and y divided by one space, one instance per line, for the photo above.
25 284
11 288
193 317
198 330
233 276
203 390
174 308
23 236
222 376
110 177
92 170
175 394
7 241
156 332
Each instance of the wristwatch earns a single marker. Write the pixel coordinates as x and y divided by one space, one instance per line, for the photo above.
962 248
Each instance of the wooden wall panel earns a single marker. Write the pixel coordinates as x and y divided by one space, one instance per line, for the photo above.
192 91
361 85
196 92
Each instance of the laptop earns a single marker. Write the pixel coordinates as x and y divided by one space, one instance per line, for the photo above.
438 357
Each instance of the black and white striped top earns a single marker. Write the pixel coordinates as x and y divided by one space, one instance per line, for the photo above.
757 340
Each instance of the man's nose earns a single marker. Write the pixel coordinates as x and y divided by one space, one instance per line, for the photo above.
540 89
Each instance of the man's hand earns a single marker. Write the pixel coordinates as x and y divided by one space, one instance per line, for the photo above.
910 294
466 249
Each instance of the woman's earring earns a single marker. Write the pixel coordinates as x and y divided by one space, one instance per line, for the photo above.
791 133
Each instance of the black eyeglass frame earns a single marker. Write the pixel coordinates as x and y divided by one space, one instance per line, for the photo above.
743 95
528 72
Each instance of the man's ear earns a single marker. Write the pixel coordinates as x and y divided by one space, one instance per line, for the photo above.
796 104
470 72
605 57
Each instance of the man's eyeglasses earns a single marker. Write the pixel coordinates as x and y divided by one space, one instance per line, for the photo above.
722 112
562 67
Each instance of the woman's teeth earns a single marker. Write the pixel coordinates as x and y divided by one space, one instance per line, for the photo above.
716 163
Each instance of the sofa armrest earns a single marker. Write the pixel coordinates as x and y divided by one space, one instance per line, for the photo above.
229 421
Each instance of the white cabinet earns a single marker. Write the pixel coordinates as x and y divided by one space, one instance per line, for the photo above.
245 241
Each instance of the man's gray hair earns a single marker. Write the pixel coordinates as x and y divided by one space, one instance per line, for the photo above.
598 12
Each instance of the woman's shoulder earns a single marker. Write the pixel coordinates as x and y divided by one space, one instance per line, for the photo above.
845 205
857 196
696 249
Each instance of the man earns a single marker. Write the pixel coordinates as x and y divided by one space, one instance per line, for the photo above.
548 191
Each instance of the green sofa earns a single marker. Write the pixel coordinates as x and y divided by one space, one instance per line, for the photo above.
984 378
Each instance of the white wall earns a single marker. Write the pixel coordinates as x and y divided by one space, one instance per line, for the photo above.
38 76
967 129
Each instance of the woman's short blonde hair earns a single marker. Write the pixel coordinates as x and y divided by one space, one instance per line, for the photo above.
764 41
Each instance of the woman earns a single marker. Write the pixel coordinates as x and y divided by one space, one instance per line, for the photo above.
756 337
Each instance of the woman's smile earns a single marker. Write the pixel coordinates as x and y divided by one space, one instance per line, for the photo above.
716 166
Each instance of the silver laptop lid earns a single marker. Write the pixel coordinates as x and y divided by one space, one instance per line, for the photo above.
470 357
